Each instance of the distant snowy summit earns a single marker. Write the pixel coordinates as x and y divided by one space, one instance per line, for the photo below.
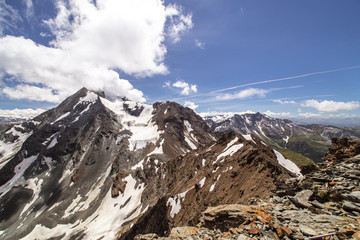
311 141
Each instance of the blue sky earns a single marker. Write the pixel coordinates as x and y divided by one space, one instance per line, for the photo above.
283 58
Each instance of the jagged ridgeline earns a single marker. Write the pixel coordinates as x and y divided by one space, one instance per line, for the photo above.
95 169
300 143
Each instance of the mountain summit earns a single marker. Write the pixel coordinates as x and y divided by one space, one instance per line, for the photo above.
95 169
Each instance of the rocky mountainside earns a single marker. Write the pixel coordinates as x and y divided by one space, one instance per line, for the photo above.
322 205
89 168
311 141
232 170
95 169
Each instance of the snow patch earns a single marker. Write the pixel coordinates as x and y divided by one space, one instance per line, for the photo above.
61 117
212 187
52 143
159 149
143 129
230 149
90 98
138 165
202 182
33 184
9 149
203 162
288 164
175 202
190 143
19 171
248 138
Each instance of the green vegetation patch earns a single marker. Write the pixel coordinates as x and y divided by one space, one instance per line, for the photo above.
300 160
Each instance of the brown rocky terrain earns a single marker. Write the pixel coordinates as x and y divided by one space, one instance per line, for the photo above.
322 203
232 170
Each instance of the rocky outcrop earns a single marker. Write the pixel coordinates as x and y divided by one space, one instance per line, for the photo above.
342 148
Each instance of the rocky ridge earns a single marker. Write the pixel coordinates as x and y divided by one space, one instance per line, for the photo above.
323 203
231 170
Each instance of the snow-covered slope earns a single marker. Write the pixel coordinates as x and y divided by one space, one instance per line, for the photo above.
90 168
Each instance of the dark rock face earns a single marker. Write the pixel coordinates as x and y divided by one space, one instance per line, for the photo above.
174 120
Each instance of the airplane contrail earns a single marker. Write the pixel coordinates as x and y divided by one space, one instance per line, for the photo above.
285 78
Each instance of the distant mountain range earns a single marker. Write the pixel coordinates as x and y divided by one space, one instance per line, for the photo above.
342 122
4 120
311 141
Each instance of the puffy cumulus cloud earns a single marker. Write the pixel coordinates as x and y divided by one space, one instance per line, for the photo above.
21 113
94 40
247 93
186 87
331 106
309 115
34 93
283 101
281 114
191 105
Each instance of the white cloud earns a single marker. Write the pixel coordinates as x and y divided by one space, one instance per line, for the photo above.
91 43
309 115
186 87
199 44
281 114
180 23
167 84
8 17
21 113
284 101
247 93
29 11
34 93
191 105
331 106
215 113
